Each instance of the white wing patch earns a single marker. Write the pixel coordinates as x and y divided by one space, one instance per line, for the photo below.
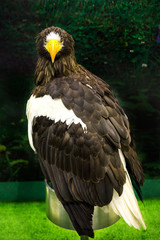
53 109
126 205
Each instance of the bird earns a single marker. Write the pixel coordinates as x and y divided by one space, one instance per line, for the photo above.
82 136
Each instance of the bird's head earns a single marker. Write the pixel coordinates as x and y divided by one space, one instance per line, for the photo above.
53 43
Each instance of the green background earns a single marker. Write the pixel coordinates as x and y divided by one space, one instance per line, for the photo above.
116 40
35 190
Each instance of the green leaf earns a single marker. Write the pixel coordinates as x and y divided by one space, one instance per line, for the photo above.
19 161
2 148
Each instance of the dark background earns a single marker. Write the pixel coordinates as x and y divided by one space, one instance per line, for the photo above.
116 40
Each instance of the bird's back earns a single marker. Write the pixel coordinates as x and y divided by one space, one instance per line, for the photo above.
82 138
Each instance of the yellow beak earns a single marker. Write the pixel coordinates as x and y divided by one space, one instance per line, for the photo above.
53 47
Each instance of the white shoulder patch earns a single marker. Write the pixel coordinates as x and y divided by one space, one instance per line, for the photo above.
53 109
53 35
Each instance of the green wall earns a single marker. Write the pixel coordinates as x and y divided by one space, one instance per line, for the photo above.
35 191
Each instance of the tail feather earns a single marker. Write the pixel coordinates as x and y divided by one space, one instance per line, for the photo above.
81 217
126 205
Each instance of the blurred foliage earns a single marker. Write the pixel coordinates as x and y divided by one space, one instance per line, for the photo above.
17 161
116 40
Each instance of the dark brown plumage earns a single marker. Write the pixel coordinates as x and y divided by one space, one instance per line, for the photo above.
81 159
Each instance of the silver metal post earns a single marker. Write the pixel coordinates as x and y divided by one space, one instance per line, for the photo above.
102 218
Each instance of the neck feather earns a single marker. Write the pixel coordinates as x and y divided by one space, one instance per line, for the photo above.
46 71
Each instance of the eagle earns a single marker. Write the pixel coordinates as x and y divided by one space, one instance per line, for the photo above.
81 136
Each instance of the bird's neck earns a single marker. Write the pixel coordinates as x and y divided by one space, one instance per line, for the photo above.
46 71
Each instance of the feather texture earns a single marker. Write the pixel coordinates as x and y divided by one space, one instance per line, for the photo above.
82 137
126 205
53 109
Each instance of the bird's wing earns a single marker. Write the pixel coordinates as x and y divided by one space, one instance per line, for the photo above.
82 141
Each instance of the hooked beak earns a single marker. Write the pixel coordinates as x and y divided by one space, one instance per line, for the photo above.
53 47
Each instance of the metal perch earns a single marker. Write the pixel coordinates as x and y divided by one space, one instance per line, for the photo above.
57 214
